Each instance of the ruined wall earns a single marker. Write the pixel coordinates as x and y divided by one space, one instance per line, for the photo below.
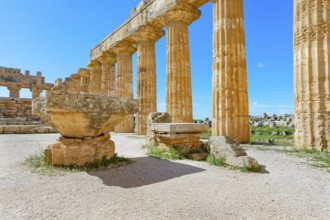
16 108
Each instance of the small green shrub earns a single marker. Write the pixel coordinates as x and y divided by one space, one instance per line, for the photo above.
155 151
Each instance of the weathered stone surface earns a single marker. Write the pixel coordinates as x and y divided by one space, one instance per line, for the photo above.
230 94
311 74
178 77
158 117
223 147
184 137
84 122
83 115
146 38
124 86
69 151
179 128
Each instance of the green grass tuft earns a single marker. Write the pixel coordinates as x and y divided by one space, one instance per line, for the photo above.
37 163
166 154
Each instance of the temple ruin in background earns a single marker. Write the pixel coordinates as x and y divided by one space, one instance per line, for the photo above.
16 113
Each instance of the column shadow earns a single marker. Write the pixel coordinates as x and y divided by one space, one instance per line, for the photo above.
144 171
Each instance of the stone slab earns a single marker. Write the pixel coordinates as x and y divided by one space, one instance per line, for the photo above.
179 128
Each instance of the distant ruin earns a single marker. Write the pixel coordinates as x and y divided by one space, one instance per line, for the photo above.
16 113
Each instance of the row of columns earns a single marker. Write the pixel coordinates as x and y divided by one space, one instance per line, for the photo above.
230 112
14 91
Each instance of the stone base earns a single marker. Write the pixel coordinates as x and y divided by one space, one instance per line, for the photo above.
223 147
73 151
184 137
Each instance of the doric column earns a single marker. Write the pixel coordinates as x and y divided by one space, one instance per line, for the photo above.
108 62
84 80
230 96
311 73
146 38
14 91
124 83
74 83
178 79
36 91
95 77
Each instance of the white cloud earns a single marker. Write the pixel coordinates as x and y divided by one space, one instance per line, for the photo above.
256 108
261 65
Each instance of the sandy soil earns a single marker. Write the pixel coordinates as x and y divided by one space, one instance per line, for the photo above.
159 189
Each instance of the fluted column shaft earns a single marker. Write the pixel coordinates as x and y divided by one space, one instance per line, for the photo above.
178 76
146 75
124 84
84 80
95 77
311 73
108 74
230 96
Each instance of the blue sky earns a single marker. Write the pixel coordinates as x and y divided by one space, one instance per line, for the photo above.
55 37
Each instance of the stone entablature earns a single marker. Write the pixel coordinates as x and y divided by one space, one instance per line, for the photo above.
14 80
147 13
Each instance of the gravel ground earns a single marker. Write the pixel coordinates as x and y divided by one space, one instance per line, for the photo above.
159 189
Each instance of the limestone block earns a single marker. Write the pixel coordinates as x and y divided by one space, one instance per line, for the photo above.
228 149
42 130
28 129
1 129
69 151
179 128
11 129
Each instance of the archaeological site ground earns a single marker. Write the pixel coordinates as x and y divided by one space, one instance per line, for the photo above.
85 148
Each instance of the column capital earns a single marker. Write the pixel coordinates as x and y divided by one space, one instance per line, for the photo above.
94 64
108 58
124 49
83 72
183 12
148 34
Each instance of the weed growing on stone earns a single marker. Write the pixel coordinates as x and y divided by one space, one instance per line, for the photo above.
166 154
37 163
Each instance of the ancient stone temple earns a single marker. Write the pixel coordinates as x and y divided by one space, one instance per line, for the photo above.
141 31
311 73
15 112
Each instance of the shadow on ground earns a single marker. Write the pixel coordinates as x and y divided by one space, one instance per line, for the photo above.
144 171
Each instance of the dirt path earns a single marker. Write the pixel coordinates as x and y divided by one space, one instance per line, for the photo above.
159 189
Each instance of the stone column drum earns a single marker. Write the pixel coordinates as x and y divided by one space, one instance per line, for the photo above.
178 77
108 74
124 83
95 77
146 75
230 96
311 73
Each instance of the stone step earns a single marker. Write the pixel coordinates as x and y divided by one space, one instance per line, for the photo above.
26 129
